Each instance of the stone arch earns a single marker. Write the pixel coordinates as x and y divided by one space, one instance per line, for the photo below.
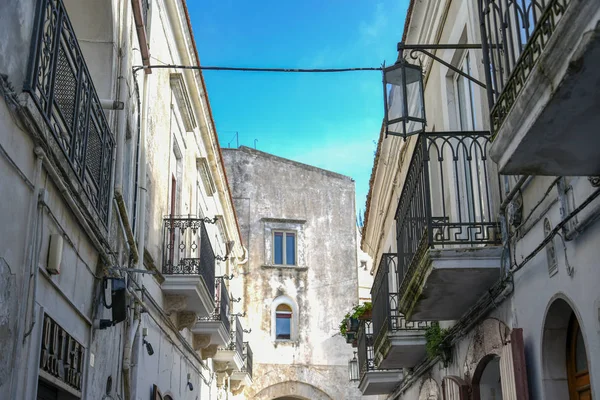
429 390
559 312
292 390
283 299
489 361
488 339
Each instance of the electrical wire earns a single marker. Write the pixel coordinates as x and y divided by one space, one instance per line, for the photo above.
556 230
554 182
249 69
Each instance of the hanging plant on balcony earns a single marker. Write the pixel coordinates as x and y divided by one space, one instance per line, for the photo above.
363 311
437 345
351 320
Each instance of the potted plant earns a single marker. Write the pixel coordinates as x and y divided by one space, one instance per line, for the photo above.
351 321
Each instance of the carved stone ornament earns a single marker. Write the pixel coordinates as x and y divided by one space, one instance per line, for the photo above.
175 303
186 319
429 390
209 351
236 386
201 341
488 338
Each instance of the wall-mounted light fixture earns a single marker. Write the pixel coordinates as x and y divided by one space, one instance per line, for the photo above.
403 99
147 344
403 89
189 382
353 374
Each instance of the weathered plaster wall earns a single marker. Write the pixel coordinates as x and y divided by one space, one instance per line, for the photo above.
72 298
319 203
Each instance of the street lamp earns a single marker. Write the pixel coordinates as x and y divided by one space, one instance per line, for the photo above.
353 369
403 99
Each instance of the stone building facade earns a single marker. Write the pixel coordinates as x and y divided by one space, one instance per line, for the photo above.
118 223
301 275
479 238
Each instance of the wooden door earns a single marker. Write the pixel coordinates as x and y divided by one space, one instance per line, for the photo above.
46 391
577 365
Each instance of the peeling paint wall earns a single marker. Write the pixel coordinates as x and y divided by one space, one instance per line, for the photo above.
324 284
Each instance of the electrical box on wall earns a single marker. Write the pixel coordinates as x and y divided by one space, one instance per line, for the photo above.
55 248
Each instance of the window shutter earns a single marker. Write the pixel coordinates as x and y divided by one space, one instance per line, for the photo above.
512 368
455 388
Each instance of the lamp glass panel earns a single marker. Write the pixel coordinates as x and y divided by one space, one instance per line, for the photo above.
353 369
395 101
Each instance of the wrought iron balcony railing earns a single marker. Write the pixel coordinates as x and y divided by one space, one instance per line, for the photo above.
514 34
385 294
239 337
221 312
248 358
366 353
62 89
447 198
187 249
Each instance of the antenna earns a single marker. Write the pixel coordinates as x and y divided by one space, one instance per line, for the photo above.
236 137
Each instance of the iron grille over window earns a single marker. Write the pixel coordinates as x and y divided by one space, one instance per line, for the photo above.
248 363
62 89
239 337
366 354
222 309
187 250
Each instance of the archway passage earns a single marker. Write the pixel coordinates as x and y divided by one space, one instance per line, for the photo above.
578 372
292 390
566 374
489 383
291 398
487 379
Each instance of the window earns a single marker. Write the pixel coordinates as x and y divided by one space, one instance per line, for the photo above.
284 319
284 248
283 322
205 175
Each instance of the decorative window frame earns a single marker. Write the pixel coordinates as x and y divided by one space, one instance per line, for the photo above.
296 226
205 176
283 299
183 101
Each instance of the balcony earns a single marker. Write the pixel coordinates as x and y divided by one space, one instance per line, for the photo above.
243 377
232 354
542 81
214 330
62 90
189 264
398 343
373 380
447 237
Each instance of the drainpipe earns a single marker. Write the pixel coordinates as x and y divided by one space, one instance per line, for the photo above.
32 253
141 233
127 350
123 96
19 377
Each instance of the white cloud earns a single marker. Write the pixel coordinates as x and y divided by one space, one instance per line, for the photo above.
371 30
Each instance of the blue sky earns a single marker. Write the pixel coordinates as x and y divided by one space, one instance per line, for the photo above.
331 121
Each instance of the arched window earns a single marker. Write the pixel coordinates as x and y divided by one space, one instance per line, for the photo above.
284 319
283 322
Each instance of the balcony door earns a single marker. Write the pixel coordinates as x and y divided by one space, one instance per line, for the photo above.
578 373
